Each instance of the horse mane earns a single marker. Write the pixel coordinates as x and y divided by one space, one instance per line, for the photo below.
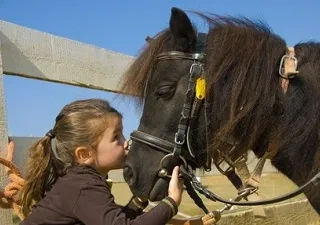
300 128
246 100
135 78
242 62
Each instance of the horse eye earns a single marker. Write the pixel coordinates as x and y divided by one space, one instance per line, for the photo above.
164 91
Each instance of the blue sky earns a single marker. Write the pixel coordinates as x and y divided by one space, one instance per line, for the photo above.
122 26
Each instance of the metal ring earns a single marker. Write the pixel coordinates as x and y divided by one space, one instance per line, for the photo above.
164 171
281 66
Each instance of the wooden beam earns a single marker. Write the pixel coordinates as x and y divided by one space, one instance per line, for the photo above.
5 214
38 55
293 213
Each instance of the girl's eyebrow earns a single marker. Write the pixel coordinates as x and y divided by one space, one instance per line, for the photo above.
117 129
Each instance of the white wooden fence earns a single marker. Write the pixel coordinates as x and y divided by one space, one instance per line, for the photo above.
30 53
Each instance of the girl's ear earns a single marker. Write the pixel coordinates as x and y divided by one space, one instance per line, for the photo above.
84 156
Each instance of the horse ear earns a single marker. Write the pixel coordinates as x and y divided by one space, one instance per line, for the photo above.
181 28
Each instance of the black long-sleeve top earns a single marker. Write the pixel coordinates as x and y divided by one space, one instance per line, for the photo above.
83 197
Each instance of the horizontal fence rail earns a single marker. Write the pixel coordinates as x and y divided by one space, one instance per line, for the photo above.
38 55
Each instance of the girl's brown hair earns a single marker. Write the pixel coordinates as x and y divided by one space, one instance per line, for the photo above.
79 124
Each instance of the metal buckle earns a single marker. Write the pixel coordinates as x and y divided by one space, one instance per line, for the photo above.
198 56
231 164
177 137
194 67
285 76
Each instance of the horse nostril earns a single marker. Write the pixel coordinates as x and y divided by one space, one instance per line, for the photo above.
128 175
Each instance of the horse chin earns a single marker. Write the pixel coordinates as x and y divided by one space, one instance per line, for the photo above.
159 190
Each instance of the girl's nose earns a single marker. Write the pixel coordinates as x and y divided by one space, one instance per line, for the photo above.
126 148
126 145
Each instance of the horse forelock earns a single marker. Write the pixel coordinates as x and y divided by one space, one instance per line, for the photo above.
135 78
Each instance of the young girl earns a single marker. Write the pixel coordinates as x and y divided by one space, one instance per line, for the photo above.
67 170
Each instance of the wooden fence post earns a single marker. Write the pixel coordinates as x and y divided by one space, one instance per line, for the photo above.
5 214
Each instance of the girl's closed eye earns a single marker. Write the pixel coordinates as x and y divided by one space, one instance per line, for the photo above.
116 138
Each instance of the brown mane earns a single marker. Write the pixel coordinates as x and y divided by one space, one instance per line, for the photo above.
242 74
135 78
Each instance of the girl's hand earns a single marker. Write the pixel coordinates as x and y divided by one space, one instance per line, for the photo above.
175 186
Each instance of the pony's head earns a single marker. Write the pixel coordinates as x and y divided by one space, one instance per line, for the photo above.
243 99
161 81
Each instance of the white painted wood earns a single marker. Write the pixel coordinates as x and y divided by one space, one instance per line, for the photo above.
31 53
5 214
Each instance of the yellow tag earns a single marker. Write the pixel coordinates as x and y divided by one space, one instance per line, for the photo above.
200 88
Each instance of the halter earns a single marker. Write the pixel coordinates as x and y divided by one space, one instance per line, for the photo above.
190 109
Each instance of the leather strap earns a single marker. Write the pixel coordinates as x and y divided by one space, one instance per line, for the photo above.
252 180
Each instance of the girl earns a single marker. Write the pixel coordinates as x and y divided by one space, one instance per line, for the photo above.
65 183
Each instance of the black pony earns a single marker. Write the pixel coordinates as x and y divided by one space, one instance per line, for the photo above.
248 104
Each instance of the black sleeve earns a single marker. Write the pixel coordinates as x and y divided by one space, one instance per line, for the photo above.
95 205
134 208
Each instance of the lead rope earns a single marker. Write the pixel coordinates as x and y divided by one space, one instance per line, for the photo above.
197 200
